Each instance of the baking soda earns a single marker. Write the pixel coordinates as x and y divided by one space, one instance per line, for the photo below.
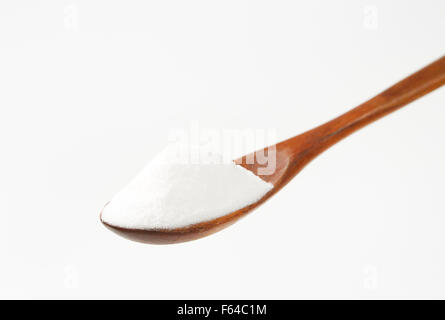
172 191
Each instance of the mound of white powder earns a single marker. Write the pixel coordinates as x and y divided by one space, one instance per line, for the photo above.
171 193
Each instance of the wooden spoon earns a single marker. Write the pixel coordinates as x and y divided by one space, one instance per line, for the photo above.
293 154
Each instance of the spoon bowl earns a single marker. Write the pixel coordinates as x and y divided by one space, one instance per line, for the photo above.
205 228
292 155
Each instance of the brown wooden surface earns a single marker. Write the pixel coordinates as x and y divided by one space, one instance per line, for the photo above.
295 153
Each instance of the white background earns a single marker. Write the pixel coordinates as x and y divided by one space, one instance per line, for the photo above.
89 91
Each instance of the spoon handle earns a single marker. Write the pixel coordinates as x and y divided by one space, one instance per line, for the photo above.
409 89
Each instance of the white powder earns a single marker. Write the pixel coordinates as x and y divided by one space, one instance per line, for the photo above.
170 193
